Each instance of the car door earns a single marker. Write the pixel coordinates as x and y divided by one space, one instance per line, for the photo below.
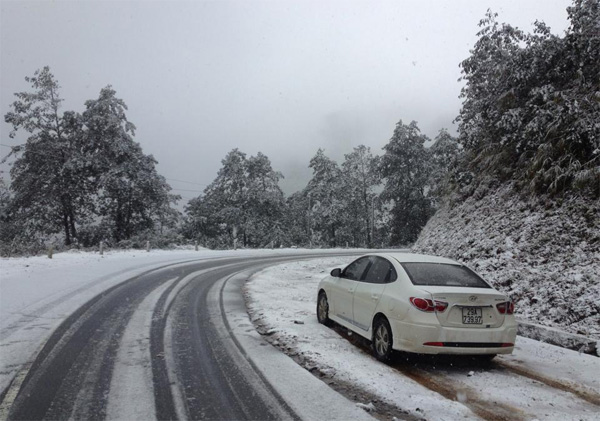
368 292
344 286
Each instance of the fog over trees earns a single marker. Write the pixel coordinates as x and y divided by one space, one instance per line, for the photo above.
530 119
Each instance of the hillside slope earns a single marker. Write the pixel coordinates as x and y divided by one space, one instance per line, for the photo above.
545 256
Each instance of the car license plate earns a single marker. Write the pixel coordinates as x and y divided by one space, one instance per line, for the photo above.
472 315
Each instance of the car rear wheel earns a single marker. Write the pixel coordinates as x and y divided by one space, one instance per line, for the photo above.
382 340
323 309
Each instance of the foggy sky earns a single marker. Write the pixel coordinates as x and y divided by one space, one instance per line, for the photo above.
283 78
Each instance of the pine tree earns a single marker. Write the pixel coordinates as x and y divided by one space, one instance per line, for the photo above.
360 175
404 168
296 220
266 203
443 156
326 199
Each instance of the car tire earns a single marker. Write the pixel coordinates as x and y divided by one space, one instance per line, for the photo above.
323 309
382 340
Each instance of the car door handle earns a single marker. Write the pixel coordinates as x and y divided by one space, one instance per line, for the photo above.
350 289
374 297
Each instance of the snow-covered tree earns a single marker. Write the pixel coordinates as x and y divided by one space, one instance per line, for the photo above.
266 203
132 196
443 156
531 107
326 195
296 220
8 227
360 176
243 203
404 169
50 176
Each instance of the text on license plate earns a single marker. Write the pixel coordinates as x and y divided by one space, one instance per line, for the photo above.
472 316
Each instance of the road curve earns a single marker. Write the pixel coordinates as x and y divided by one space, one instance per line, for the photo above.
152 346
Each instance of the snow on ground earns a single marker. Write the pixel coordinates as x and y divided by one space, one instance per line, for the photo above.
38 293
282 301
547 258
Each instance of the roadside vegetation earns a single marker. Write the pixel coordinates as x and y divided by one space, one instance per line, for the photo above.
80 176
522 204
529 126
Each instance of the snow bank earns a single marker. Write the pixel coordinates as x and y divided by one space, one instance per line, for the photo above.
547 258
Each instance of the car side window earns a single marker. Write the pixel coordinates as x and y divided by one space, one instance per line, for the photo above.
355 270
380 272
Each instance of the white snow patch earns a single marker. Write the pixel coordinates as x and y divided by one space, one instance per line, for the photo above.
369 407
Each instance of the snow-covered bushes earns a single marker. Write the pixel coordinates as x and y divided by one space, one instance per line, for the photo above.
545 255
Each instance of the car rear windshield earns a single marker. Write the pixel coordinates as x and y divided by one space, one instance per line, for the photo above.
441 274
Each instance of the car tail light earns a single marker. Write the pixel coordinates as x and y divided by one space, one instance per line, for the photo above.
507 307
440 306
427 305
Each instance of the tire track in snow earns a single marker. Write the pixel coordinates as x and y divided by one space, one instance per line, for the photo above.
216 388
40 309
71 376
486 407
167 398
132 373
582 392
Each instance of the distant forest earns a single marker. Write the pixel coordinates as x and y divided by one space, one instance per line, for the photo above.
530 118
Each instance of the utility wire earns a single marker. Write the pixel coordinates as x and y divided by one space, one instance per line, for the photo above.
195 191
188 182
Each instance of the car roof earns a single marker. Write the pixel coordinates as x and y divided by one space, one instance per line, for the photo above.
416 258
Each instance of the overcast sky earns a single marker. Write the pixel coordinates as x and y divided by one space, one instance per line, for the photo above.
283 78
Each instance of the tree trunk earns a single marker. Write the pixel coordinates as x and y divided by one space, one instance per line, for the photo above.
72 223
66 226
333 235
118 219
368 224
128 230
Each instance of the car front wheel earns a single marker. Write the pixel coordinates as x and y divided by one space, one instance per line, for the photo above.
323 309
382 340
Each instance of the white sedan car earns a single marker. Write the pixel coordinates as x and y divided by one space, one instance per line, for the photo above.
418 303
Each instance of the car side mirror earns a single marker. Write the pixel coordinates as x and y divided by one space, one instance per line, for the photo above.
336 272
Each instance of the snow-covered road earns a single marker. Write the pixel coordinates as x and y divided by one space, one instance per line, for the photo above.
37 295
79 342
538 381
